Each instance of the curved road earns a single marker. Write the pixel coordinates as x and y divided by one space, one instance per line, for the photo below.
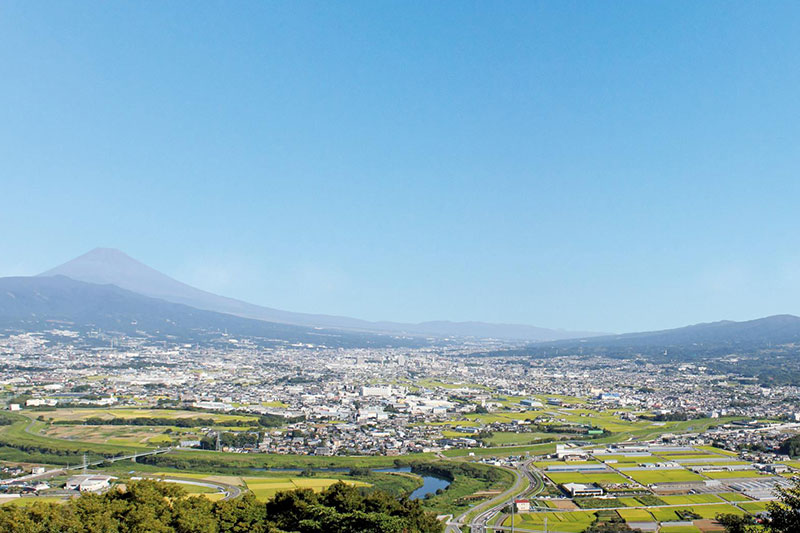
488 509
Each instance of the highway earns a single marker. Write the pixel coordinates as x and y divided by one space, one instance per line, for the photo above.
527 483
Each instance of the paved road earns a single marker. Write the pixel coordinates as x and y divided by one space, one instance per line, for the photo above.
530 484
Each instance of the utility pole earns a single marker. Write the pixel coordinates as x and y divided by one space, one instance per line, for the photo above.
512 515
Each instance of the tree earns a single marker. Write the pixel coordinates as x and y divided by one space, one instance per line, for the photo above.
791 446
735 523
784 515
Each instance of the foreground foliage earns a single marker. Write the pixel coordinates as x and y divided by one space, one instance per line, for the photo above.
151 507
782 516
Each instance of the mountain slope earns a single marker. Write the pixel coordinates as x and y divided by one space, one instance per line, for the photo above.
43 302
105 265
699 340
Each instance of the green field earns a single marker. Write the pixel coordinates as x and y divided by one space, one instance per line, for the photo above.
635 515
648 477
570 522
733 497
669 514
754 507
544 464
626 460
501 438
732 475
560 478
691 498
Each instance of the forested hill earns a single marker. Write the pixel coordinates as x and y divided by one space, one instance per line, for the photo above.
147 507
690 342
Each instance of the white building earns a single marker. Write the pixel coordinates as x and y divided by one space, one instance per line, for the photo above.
581 489
383 392
89 483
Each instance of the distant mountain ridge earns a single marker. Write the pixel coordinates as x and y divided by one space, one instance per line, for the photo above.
110 266
698 340
48 302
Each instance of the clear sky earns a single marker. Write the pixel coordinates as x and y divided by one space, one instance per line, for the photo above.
609 166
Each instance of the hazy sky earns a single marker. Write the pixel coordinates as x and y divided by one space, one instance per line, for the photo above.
593 165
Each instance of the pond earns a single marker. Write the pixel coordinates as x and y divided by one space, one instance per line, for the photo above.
430 484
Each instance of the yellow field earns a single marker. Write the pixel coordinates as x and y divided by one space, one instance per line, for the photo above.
124 412
635 515
119 435
265 488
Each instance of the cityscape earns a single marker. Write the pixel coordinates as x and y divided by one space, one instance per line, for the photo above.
274 266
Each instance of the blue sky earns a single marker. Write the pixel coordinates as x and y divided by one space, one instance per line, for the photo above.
592 165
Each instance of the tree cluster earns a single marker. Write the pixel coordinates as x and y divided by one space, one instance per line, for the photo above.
152 507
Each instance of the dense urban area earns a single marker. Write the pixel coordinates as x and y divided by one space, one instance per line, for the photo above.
481 442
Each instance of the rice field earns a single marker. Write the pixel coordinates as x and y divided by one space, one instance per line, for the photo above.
687 499
265 488
585 477
649 477
733 497
635 515
669 514
732 475
569 522
754 507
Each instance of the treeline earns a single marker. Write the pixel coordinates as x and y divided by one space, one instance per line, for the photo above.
268 421
232 440
152 421
791 446
148 506
677 416
449 471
